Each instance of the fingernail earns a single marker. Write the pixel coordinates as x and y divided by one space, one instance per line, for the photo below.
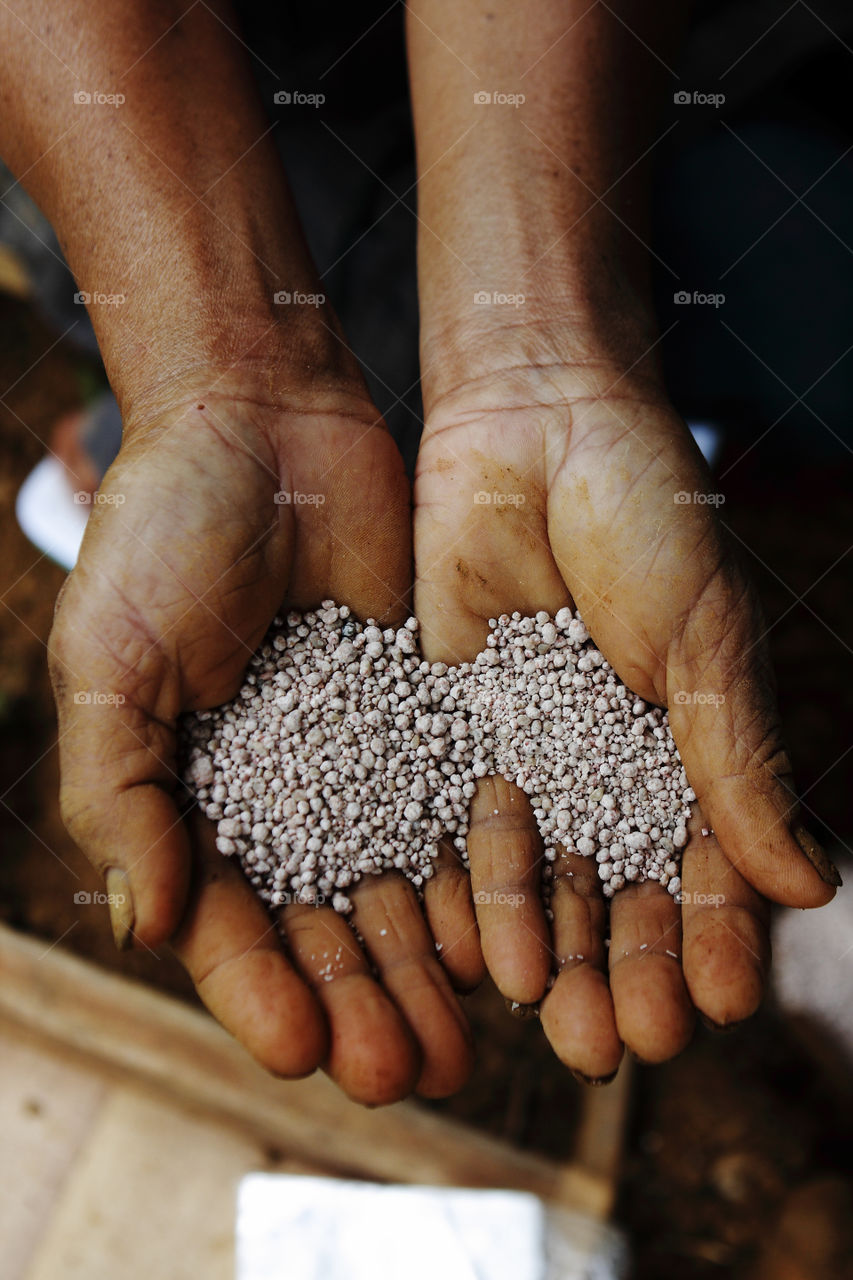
825 868
120 900
519 1010
595 1081
720 1028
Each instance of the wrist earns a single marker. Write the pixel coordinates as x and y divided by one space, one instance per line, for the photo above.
213 305
287 363
271 376
600 323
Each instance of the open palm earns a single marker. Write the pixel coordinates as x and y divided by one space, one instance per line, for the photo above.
215 514
546 486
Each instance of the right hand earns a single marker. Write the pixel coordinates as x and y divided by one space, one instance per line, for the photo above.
185 561
593 462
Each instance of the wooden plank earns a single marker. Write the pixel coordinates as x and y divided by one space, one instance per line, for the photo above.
600 1138
155 1038
47 1109
152 1194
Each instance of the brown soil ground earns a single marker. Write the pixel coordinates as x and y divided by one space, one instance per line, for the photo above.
737 1149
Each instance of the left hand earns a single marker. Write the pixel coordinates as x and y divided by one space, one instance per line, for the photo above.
598 462
187 558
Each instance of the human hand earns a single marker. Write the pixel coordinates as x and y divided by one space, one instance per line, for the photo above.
194 279
597 466
186 559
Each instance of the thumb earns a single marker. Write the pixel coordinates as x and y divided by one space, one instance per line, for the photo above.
116 795
725 721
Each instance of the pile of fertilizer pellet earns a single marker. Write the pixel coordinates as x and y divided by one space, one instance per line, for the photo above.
345 754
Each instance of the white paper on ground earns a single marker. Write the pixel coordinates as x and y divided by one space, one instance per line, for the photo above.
707 436
812 960
48 514
305 1228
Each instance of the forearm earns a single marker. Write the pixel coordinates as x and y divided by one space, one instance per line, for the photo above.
547 199
174 199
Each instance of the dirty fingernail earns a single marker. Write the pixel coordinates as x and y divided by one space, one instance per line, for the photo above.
519 1010
595 1081
721 1028
825 868
120 901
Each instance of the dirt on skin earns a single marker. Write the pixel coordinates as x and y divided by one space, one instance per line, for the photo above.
736 1157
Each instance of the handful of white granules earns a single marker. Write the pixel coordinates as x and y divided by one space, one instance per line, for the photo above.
344 754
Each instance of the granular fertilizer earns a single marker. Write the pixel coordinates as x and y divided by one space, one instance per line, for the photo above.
345 754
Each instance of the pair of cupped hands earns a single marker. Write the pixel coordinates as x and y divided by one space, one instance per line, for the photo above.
186 559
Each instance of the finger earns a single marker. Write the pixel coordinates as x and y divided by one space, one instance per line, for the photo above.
388 917
450 913
577 1014
654 1014
726 935
725 721
133 644
355 547
373 1056
232 952
116 801
505 853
